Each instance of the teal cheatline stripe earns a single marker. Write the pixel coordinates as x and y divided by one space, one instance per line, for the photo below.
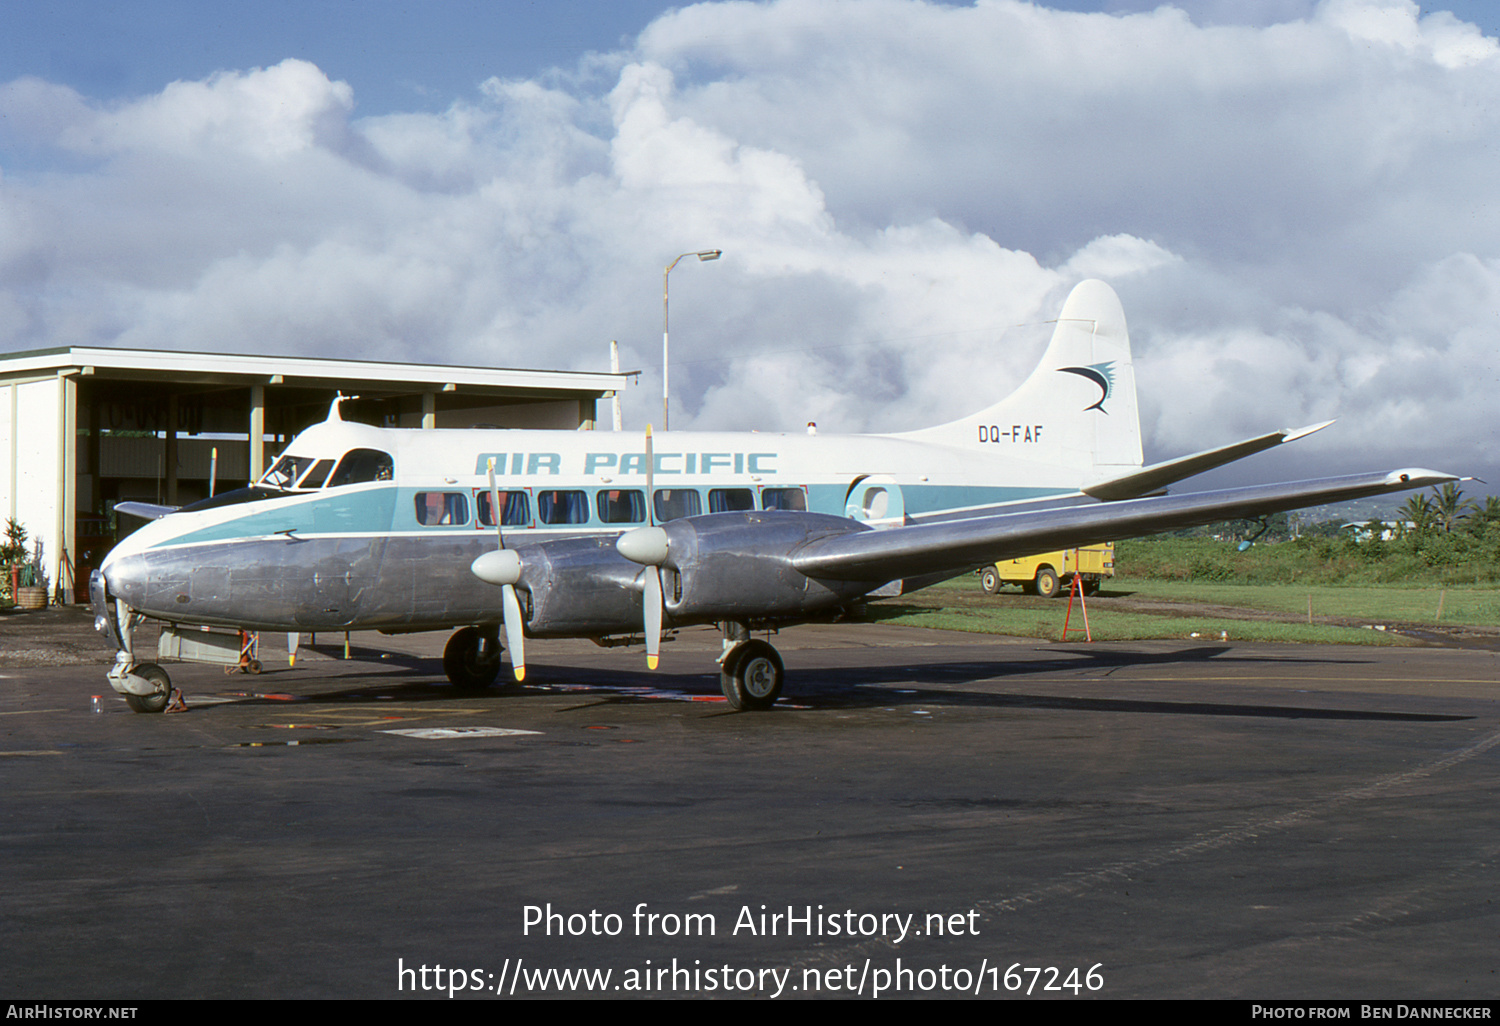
822 498
358 512
380 510
936 498
924 498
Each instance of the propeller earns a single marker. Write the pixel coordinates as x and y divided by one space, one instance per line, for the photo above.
503 567
651 600
648 546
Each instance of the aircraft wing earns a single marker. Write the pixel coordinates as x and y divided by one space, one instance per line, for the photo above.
956 546
1152 479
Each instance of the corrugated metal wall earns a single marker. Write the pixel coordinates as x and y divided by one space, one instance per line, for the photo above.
142 457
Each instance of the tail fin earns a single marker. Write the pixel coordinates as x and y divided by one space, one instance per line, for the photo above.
1077 410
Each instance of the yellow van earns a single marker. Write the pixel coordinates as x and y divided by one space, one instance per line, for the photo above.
1048 574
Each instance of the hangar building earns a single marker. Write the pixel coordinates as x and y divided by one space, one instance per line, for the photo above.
83 428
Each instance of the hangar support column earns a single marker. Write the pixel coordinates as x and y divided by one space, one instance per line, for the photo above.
67 487
257 432
15 421
169 467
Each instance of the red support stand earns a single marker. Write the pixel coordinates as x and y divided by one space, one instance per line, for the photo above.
1077 589
249 654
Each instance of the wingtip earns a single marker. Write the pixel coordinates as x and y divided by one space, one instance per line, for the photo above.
1292 434
1418 477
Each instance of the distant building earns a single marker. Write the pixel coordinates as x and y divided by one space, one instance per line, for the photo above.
1389 530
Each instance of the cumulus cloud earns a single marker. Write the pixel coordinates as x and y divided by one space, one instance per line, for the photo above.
1297 214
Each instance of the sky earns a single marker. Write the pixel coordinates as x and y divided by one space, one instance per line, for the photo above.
1296 201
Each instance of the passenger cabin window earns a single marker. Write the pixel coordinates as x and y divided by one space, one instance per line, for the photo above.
730 500
783 498
515 509
672 503
557 506
360 465
622 506
442 508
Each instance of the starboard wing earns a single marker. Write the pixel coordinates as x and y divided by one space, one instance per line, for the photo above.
955 546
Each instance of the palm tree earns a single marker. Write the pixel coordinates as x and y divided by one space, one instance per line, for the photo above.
1420 512
1452 506
1486 515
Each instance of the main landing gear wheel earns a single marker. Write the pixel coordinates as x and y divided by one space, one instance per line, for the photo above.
1047 585
471 659
752 676
153 703
989 580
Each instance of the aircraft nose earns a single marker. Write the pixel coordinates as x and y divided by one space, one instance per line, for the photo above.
125 577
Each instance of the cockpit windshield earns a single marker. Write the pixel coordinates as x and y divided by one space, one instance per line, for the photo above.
286 471
305 473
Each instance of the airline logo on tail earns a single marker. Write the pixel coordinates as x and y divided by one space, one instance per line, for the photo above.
1101 374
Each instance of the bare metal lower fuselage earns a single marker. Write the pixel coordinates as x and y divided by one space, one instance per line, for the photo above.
572 585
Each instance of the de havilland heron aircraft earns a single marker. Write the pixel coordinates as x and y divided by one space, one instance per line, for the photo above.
617 536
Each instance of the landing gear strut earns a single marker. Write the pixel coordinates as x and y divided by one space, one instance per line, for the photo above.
146 686
471 659
751 673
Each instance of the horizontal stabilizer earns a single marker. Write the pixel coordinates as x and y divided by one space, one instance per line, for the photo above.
1152 479
954 546
144 510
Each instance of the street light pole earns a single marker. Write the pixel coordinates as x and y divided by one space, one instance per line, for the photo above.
702 255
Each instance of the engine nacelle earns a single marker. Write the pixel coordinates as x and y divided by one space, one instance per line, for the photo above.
737 566
580 587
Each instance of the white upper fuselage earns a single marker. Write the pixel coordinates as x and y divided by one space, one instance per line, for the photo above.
878 478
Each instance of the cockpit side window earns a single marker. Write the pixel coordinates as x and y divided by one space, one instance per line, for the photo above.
360 465
317 475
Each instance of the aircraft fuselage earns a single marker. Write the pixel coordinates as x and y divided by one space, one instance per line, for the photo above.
394 554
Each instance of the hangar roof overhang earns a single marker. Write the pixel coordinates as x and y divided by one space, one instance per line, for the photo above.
379 377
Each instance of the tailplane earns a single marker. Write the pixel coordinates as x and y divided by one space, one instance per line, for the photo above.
1077 410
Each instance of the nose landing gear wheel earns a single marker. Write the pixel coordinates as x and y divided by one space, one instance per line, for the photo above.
153 703
752 676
